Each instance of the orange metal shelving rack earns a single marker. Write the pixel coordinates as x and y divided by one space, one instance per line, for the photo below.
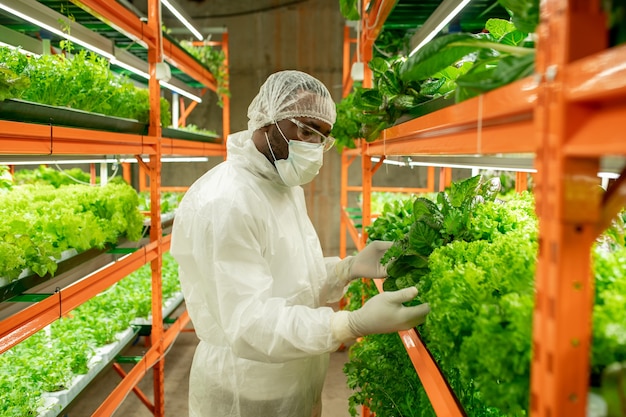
18 138
569 115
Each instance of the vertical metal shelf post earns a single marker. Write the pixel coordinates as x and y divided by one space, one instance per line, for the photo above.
568 207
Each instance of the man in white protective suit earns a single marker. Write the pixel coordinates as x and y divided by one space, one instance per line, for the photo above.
255 281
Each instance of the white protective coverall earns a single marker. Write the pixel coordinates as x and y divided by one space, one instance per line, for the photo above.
256 283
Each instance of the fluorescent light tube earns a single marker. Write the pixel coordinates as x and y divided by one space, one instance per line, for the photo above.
181 91
182 19
130 68
19 49
100 161
438 21
56 31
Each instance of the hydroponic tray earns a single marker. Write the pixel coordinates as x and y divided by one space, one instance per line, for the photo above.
427 107
28 279
18 293
26 111
171 133
57 401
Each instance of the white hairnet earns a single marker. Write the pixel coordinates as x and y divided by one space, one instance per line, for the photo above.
288 94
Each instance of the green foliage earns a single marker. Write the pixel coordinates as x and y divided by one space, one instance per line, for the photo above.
49 360
438 54
609 320
480 287
349 9
616 11
524 13
6 179
462 65
367 111
195 129
40 222
214 60
347 128
481 294
12 63
393 223
493 73
383 379
435 225
87 84
11 84
392 42
358 292
51 176
498 58
169 201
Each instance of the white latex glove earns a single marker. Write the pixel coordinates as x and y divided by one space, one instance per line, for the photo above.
366 264
383 313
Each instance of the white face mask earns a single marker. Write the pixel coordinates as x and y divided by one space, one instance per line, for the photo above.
302 164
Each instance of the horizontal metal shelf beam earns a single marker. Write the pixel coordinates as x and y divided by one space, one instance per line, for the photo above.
500 121
152 356
184 62
191 148
28 138
120 19
511 137
28 321
600 133
47 18
597 78
441 397
24 42
127 23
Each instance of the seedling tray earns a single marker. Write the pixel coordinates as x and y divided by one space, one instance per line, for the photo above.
26 111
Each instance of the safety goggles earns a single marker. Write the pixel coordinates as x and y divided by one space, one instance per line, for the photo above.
308 134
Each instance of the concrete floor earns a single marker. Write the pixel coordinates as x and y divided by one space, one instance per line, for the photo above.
177 364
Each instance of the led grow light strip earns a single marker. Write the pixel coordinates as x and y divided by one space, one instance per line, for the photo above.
182 19
100 161
41 16
130 68
18 49
56 31
20 42
438 22
181 91
452 165
124 59
605 175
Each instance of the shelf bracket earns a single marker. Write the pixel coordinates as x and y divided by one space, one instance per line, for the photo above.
378 164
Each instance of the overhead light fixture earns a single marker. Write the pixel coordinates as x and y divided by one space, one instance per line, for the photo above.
185 20
20 42
99 161
46 18
477 167
181 91
131 63
410 163
18 49
130 68
39 17
445 12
